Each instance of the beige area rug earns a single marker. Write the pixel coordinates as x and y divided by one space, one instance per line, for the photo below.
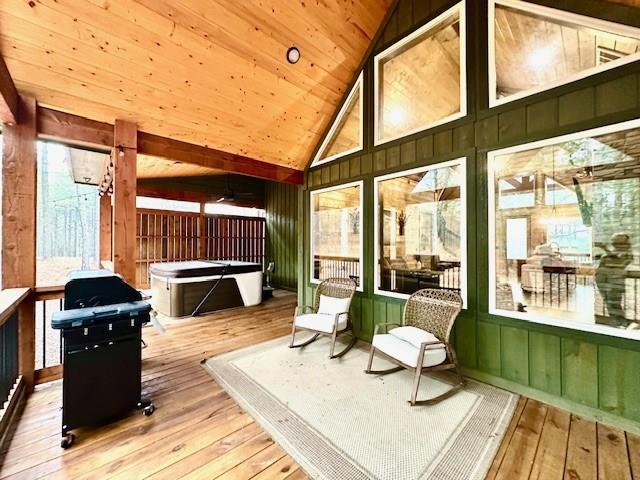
339 423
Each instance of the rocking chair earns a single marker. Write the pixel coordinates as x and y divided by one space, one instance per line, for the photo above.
329 315
421 343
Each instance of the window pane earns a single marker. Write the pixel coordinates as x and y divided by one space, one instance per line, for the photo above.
549 47
336 233
346 135
67 215
419 81
581 234
421 230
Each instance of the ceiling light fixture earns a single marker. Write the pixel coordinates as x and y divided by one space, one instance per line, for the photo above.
293 55
541 57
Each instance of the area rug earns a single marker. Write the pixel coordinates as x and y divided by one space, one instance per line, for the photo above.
338 423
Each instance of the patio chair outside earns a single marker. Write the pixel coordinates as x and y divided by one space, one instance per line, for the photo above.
421 343
329 315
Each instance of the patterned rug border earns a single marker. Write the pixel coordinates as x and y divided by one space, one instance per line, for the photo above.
455 460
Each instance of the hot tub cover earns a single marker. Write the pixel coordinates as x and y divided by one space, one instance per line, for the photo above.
202 268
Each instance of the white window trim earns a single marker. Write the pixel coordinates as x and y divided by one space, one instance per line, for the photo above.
360 185
357 87
456 9
529 317
462 162
564 16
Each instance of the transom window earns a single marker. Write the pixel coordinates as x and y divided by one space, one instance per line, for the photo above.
336 233
420 81
420 229
346 134
570 254
534 48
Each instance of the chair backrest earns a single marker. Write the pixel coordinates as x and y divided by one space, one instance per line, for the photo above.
434 310
337 287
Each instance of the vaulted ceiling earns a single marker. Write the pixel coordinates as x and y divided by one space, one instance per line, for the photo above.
212 73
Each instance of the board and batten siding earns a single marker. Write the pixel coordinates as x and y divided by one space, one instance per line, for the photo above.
591 374
281 205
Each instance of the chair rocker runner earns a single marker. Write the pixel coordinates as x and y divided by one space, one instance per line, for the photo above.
329 315
421 343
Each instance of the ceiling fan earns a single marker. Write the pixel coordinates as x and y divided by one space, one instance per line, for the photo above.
230 195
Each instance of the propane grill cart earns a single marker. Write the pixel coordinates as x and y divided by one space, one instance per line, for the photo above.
101 330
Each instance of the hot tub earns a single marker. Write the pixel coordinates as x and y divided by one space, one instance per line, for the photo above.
179 287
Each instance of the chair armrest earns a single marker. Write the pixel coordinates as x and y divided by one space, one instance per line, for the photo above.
426 345
388 324
336 319
301 309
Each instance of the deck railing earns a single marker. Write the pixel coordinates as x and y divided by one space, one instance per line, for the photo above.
325 266
11 381
48 345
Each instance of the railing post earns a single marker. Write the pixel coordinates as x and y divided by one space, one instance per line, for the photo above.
19 168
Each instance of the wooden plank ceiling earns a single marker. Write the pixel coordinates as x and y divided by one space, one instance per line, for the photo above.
212 73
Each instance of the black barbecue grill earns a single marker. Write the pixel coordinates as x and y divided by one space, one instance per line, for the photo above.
102 334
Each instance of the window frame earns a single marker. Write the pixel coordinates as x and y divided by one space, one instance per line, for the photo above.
312 193
458 8
357 87
563 16
462 162
555 321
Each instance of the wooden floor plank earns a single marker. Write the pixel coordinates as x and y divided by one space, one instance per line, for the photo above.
582 450
518 460
198 431
613 456
552 449
504 445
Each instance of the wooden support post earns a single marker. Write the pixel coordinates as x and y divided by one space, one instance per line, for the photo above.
106 237
202 234
19 167
124 200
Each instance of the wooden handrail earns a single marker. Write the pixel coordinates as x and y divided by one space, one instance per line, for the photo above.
10 300
48 293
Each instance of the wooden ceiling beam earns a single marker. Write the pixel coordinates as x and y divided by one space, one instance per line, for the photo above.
9 99
55 125
168 193
155 145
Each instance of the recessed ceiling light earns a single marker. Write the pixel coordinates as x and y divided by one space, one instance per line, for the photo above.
293 55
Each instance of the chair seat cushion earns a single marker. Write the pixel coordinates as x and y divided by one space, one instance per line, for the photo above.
320 322
415 336
406 352
333 305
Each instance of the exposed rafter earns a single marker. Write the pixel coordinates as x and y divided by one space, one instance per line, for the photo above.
9 98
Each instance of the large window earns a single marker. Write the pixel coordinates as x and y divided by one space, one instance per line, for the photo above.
571 256
421 230
336 233
68 224
534 48
420 81
346 134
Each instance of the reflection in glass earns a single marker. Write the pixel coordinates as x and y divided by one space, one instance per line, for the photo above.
419 82
533 50
346 134
336 233
421 229
581 233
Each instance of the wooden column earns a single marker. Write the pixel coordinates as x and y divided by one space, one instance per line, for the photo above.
124 200
19 166
106 238
202 234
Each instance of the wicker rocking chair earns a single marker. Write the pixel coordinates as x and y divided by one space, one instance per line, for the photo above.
421 343
329 315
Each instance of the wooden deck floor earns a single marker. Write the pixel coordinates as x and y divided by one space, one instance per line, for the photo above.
198 431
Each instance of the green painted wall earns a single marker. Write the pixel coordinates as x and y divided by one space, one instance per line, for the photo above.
281 204
591 374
